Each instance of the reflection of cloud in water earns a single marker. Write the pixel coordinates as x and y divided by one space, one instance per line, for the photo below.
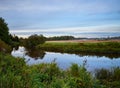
19 53
64 61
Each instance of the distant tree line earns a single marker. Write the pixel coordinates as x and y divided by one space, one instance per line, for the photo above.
61 38
33 40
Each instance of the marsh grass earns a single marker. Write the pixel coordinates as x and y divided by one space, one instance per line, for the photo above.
102 47
14 73
110 49
110 78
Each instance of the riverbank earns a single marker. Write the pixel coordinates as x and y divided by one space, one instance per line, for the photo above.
96 47
85 41
14 73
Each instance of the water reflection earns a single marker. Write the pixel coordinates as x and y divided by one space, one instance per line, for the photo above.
16 48
35 53
111 56
65 60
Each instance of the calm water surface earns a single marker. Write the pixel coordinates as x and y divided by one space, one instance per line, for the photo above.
65 60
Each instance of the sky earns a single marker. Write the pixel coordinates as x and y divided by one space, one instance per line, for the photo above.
79 18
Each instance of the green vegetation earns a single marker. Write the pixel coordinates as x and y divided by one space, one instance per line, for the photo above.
14 73
33 41
110 78
4 47
70 47
9 39
15 41
4 31
61 38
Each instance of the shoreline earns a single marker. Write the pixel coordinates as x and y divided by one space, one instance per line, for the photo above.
84 41
99 47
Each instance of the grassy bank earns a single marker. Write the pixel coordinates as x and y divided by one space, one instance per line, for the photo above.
76 47
4 47
14 73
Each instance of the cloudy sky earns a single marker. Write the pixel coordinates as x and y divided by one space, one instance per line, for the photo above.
80 18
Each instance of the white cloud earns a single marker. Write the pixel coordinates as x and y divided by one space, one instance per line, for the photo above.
59 5
102 28
59 8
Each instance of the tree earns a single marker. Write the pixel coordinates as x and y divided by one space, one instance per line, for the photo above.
4 31
34 40
61 38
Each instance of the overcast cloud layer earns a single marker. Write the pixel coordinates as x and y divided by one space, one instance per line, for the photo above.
62 17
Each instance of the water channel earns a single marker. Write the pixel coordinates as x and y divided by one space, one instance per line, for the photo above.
64 60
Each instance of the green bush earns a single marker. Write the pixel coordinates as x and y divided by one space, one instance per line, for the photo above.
11 70
110 78
34 40
14 73
4 47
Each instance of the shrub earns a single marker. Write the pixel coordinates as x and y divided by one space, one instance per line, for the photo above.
109 78
34 40
4 47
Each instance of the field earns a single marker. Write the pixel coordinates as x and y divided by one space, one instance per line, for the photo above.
79 46
83 41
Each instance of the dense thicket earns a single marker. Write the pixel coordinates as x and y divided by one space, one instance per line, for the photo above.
4 31
6 36
34 40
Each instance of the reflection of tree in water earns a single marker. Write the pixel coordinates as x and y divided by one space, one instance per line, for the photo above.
16 47
111 56
36 53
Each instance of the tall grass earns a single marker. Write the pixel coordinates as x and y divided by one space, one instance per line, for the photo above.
89 48
11 70
102 47
14 73
110 78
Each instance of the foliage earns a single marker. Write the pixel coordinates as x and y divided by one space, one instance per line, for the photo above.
4 47
34 40
14 73
11 70
108 48
110 78
13 41
4 31
61 38
81 76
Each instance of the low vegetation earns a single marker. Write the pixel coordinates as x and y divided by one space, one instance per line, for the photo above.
5 36
71 47
14 73
4 47
110 78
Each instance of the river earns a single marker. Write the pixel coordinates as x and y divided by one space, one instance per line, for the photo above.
64 60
